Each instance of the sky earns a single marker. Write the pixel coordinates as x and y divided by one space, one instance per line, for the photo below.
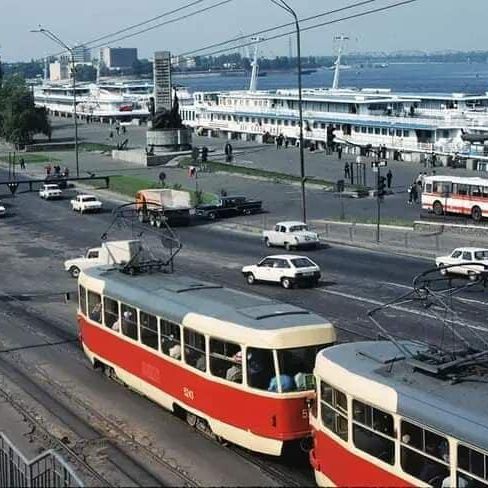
431 25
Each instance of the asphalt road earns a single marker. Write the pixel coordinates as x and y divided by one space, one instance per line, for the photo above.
37 236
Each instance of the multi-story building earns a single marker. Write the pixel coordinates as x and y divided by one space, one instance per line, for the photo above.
58 71
118 57
81 54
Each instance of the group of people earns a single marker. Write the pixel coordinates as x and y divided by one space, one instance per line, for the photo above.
56 170
281 141
415 189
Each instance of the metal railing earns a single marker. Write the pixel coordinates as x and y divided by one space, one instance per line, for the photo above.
48 469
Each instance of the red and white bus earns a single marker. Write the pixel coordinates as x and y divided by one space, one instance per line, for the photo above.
238 364
385 419
456 195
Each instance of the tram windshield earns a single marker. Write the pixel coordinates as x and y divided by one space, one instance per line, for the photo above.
296 367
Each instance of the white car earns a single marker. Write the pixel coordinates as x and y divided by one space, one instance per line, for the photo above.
291 235
86 203
285 269
462 258
50 191
91 258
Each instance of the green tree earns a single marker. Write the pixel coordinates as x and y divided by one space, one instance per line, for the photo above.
20 119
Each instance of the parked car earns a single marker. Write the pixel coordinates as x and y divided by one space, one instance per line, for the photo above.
291 235
3 211
229 206
468 261
111 252
286 269
86 203
50 191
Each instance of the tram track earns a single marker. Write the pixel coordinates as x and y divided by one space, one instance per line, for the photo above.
86 436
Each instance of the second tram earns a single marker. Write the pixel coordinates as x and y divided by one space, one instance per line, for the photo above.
387 419
238 364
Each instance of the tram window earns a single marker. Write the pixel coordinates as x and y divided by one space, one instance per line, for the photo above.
298 364
226 360
111 314
129 321
472 462
424 454
260 369
334 410
373 432
428 188
82 299
462 189
476 191
170 339
95 306
148 329
195 349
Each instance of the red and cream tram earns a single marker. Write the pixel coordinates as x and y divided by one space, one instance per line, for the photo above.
382 419
239 363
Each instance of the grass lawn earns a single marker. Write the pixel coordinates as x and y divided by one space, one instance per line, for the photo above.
31 158
130 185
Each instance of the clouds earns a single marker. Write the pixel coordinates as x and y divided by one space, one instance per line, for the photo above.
426 24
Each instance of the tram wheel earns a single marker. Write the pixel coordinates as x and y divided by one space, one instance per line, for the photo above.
191 419
476 214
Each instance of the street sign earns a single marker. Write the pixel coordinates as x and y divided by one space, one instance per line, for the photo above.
13 187
378 164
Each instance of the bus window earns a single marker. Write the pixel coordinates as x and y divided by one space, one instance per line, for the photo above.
333 410
373 432
471 463
428 188
260 369
148 325
195 349
129 321
226 360
476 191
82 299
95 306
111 314
298 364
462 190
424 454
170 339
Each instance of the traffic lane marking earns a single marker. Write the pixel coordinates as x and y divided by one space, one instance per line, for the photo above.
461 299
372 301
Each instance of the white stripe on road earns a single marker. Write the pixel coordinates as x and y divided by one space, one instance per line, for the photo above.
372 301
461 299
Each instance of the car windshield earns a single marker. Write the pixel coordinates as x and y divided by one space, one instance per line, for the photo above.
298 228
481 255
52 187
89 199
302 263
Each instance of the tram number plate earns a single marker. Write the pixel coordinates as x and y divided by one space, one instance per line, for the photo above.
187 393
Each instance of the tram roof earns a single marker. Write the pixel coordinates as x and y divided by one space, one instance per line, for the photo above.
463 180
456 409
177 298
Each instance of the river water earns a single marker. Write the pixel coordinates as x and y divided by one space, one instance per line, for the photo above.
405 77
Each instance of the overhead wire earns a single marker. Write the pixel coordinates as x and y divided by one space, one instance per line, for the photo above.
278 27
315 26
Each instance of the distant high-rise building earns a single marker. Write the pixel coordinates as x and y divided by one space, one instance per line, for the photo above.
81 54
118 57
163 98
58 71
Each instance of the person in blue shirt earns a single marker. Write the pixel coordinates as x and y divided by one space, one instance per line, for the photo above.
287 383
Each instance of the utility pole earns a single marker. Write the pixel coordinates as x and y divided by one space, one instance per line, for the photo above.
282 4
53 37
380 192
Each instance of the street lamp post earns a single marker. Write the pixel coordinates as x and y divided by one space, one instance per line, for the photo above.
58 41
282 4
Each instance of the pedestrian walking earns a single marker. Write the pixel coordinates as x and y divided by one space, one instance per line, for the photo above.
347 172
286 142
22 163
414 192
48 170
123 129
389 177
111 135
339 152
